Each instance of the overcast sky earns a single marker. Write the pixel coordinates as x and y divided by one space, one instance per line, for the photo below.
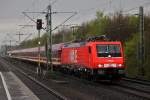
11 13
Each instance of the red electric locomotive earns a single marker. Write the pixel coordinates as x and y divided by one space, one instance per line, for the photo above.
102 59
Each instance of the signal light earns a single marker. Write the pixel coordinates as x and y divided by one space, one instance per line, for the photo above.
39 24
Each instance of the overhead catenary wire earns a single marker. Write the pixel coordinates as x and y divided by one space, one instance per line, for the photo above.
43 11
84 11
144 5
38 14
65 21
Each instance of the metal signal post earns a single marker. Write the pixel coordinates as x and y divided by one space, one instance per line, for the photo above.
39 53
49 32
141 43
39 27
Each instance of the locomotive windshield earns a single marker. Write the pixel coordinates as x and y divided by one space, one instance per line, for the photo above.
108 50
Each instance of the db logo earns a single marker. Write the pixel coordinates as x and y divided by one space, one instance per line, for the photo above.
73 56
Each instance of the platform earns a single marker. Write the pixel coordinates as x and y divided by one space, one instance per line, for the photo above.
12 88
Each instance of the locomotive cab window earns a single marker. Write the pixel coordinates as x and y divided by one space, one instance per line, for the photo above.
108 50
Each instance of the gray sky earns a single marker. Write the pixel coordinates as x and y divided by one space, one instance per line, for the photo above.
11 13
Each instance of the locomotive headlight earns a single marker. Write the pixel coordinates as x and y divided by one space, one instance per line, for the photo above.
120 65
100 65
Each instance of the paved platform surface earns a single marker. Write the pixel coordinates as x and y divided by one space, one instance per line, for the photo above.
11 88
3 95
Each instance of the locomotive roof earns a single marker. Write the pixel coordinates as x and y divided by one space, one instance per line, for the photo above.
74 44
79 44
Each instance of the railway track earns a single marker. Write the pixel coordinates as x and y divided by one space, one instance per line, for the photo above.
133 89
37 87
141 89
135 86
58 95
129 90
139 85
135 80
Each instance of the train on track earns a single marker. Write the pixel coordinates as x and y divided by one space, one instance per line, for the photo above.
94 58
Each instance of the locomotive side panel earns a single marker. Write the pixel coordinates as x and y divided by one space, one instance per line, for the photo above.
66 56
77 56
83 57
